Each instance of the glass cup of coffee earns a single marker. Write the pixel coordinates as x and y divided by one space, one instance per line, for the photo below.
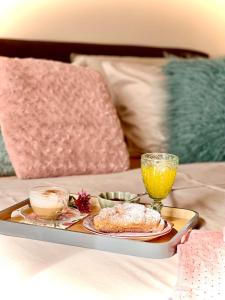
48 202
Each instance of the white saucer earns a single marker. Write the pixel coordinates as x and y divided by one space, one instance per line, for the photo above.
65 220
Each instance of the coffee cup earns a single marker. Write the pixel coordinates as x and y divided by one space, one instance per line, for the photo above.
48 202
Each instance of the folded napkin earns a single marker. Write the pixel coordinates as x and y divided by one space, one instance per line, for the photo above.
202 266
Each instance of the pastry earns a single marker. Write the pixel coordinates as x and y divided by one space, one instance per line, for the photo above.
128 217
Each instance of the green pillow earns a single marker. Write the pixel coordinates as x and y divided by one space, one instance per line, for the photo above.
6 168
196 109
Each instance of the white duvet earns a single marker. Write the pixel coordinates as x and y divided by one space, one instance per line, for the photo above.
33 269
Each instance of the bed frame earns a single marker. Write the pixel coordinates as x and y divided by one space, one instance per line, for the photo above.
61 50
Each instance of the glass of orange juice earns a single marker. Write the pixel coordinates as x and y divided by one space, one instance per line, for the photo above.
158 173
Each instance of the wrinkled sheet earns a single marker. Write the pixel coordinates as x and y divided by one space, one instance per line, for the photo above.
36 267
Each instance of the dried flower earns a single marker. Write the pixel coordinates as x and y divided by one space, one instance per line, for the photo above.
83 202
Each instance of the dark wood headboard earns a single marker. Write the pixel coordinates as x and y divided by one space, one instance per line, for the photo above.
61 50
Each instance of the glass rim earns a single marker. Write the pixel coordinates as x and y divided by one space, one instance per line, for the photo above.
164 156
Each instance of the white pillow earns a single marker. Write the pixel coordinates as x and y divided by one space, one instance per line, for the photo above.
140 97
95 61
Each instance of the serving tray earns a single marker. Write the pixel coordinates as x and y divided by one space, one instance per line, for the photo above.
162 247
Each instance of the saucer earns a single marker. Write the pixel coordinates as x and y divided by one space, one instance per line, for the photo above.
64 220
140 236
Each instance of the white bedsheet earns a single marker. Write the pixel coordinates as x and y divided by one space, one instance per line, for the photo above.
34 268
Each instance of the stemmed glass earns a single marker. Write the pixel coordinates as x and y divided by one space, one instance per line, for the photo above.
158 173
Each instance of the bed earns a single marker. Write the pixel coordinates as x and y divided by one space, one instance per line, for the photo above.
32 268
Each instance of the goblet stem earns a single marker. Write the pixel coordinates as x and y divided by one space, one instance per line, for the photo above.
157 205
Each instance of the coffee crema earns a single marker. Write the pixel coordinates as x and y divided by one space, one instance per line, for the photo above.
49 192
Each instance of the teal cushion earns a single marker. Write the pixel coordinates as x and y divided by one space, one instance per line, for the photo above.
196 109
6 168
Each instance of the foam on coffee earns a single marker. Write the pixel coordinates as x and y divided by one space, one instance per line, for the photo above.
48 197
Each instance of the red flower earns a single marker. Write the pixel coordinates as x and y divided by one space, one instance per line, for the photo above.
83 202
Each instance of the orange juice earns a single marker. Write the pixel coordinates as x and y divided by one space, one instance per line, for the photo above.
158 180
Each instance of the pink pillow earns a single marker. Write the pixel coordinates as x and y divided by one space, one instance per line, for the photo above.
58 120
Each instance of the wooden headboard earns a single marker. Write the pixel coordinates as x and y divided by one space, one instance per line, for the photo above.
61 50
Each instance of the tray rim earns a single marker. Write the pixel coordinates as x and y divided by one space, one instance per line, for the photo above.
172 243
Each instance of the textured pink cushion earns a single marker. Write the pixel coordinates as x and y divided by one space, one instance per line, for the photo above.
58 120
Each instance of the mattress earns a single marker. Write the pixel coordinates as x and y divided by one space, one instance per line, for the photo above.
37 268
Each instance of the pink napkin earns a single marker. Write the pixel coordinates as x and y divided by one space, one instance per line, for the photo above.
202 267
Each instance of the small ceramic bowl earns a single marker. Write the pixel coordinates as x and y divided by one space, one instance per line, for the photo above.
109 199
